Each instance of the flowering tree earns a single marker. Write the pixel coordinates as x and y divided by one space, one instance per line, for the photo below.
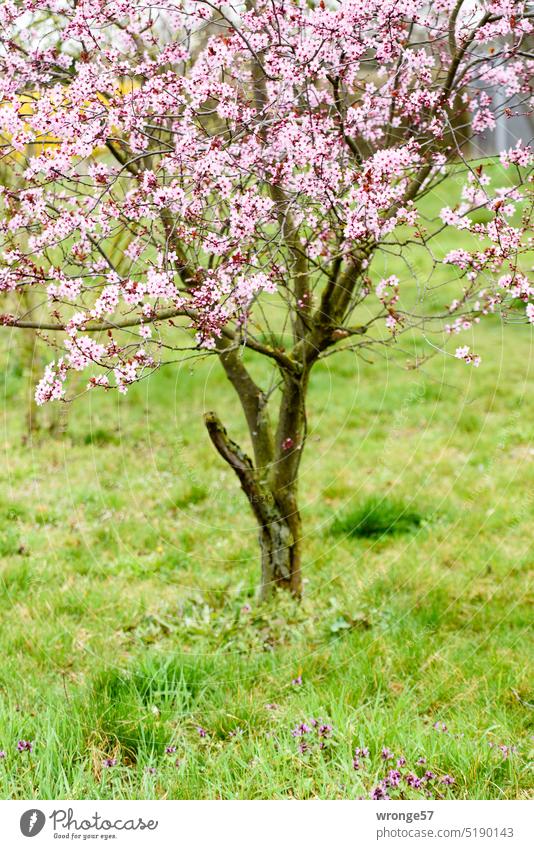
216 177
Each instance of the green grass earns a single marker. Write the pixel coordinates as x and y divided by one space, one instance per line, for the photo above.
129 570
377 517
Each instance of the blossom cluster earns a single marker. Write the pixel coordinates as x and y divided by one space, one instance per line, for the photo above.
314 733
181 160
399 778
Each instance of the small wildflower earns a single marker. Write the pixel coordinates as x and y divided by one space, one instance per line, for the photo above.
387 754
401 761
429 775
356 763
393 778
379 792
2 755
447 779
297 681
287 444
237 732
170 750
151 770
201 731
303 747
440 726
507 750
421 761
272 706
325 731
109 762
362 752
24 746
413 780
300 730
246 608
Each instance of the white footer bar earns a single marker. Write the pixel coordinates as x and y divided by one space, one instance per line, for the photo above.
268 824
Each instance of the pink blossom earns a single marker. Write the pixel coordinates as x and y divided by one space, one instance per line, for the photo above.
196 197
519 155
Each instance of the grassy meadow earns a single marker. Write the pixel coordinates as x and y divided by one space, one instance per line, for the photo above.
136 660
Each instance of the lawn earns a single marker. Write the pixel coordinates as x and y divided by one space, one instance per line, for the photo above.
136 660
129 620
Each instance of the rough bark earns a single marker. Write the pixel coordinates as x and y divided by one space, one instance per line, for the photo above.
278 520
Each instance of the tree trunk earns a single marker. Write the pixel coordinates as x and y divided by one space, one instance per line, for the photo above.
278 521
280 544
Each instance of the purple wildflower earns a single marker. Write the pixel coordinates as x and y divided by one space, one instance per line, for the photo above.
387 754
151 770
393 778
272 706
379 792
303 747
24 746
507 750
109 762
413 781
236 732
170 750
297 681
361 752
325 731
301 729
447 779
429 775
401 761
356 763
421 761
440 726
201 731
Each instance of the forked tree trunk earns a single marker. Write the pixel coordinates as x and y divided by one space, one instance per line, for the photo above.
278 518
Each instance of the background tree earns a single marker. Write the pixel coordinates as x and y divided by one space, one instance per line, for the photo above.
224 179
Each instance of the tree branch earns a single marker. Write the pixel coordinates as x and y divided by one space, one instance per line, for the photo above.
284 360
260 499
254 403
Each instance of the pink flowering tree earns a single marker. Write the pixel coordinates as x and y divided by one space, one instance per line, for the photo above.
193 175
